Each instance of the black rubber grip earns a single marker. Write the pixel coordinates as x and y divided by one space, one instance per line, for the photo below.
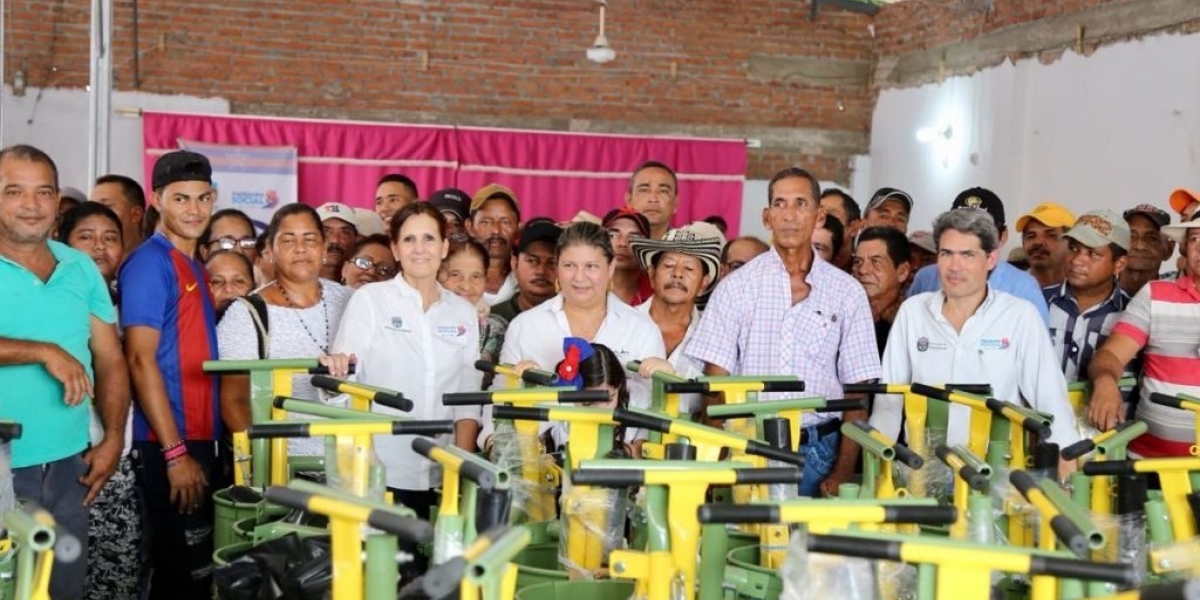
1184 589
768 476
1166 400
924 515
783 386
685 387
1109 467
424 446
520 413
864 388
422 427
325 382
1078 449
738 513
1071 568
539 377
608 477
10 430
844 404
278 401
993 405
323 370
1131 495
979 389
466 399
975 480
485 479
1067 533
630 418
486 366
943 452
406 529
1023 482
857 547
929 391
1037 427
285 496
581 396
277 430
907 457
394 400
784 455
443 580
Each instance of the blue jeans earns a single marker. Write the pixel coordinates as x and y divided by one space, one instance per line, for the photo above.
819 456
55 487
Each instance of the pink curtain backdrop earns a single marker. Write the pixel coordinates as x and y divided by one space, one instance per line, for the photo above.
553 174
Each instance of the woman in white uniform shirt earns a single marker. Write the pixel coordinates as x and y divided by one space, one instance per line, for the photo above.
412 335
585 307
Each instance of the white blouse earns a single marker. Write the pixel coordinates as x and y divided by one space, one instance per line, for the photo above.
421 354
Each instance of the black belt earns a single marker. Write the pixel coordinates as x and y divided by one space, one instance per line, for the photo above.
824 429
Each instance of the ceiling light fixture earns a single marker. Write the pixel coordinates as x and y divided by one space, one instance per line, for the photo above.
601 52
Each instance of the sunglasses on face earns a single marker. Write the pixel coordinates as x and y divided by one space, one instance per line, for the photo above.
366 264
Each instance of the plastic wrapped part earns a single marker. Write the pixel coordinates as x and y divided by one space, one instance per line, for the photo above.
593 525
896 581
512 451
286 567
353 469
778 433
1126 536
812 576
449 545
8 499
934 479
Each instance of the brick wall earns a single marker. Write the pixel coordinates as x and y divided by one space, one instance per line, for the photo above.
489 62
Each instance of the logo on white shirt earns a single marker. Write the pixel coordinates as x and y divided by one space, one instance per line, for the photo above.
994 344
451 330
396 324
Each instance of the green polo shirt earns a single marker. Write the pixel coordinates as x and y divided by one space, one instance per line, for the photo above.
57 311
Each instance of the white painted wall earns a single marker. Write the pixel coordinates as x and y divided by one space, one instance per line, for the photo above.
1111 130
57 123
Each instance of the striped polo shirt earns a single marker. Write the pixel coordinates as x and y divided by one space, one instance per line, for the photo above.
1164 320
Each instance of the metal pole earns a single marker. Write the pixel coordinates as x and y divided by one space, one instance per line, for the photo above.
100 89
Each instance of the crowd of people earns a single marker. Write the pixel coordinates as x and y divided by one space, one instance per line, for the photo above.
112 305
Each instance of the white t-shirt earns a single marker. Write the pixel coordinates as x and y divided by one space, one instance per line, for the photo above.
506 291
421 354
293 333
1003 344
537 334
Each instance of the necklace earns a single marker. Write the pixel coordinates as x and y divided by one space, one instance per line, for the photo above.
324 311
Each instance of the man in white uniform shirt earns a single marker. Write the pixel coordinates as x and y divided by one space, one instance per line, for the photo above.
968 332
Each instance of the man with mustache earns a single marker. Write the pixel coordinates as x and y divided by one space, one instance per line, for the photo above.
682 265
1086 305
1041 237
533 266
340 224
494 219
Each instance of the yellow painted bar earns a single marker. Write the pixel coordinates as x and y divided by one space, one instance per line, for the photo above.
241 458
1176 485
448 505
958 529
41 576
281 384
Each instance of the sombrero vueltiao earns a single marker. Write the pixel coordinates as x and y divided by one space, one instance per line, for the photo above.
699 239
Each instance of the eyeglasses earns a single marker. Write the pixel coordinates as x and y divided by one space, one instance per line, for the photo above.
229 243
366 264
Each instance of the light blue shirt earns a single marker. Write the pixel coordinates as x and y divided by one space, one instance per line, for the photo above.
1004 277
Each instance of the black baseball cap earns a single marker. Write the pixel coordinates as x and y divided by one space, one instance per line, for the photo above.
983 199
453 200
539 230
180 165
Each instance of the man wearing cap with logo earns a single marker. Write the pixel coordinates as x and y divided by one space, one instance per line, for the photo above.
1041 236
1162 321
534 267
59 356
494 220
889 207
1004 276
1148 246
654 192
340 224
971 332
393 192
788 312
682 265
455 205
1084 307
170 330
